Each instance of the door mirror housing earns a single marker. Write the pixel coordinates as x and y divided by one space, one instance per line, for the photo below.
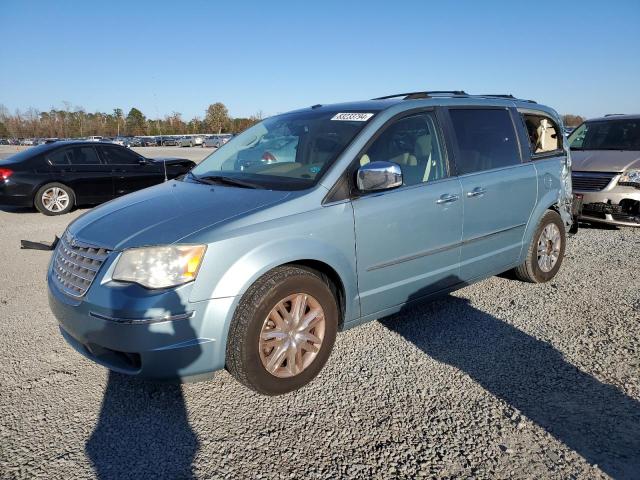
143 161
376 176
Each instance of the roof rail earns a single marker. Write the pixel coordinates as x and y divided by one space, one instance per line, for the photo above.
451 93
613 114
505 95
413 95
499 95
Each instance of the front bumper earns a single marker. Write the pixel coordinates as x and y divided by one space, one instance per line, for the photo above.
615 205
148 337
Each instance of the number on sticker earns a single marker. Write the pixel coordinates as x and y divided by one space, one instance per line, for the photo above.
352 117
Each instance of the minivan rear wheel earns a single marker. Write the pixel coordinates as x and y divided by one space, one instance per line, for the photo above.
283 330
546 250
54 199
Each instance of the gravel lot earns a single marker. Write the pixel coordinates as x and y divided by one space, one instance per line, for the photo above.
501 379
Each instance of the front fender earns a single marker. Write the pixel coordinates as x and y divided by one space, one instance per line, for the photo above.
323 235
266 257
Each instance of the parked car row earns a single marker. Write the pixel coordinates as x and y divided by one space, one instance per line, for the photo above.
202 140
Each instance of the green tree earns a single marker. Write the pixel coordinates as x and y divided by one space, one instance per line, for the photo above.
217 117
136 122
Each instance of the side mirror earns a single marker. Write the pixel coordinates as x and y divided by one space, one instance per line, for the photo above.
376 176
143 161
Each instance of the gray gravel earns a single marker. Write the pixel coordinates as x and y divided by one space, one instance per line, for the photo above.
501 379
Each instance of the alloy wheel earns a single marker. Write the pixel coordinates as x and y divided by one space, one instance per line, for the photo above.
55 199
292 335
549 244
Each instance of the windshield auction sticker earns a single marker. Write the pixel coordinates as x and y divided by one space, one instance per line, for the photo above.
352 117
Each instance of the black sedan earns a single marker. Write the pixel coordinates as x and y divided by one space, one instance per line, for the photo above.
56 177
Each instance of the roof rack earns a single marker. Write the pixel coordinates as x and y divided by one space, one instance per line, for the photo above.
504 95
613 114
413 95
451 93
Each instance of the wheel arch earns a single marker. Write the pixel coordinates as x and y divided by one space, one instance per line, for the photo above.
548 202
333 278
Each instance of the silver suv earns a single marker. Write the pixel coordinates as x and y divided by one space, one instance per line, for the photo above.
606 169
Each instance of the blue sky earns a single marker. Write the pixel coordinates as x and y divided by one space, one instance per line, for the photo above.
273 56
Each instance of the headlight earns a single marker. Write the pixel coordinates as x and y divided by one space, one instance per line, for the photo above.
160 267
630 178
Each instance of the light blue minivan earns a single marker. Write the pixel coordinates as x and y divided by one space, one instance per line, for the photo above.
312 222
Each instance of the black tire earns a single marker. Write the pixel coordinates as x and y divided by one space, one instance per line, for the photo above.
530 270
39 204
242 354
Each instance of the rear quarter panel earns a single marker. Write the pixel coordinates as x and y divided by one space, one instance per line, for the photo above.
553 192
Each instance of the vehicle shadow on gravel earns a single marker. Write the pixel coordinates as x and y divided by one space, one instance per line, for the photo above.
594 419
143 430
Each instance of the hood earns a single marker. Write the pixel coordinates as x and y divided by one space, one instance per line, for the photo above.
166 213
604 160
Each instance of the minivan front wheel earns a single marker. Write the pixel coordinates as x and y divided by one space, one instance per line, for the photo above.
54 199
283 331
546 250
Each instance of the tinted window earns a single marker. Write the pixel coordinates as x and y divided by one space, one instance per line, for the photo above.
607 135
83 156
59 157
486 139
413 143
119 156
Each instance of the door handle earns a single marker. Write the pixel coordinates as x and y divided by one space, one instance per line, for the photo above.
476 192
447 198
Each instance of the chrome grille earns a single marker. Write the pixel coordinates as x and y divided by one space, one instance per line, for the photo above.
76 264
591 181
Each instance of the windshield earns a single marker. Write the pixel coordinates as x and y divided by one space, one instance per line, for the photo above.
607 135
285 152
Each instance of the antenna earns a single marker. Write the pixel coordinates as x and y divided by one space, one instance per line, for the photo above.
164 164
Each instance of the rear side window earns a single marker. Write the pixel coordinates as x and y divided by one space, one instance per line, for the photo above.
119 156
58 157
544 134
83 156
486 139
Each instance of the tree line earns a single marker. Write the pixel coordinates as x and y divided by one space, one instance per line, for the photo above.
72 122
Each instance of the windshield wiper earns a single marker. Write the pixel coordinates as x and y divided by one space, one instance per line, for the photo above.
221 179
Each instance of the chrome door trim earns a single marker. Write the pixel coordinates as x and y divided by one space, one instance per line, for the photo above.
415 256
490 234
433 251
